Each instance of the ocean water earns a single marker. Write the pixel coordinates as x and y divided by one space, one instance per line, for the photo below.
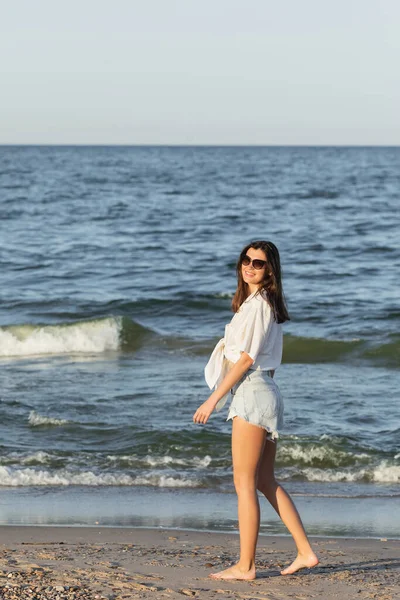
117 273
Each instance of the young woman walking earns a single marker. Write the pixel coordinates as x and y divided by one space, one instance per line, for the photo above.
243 363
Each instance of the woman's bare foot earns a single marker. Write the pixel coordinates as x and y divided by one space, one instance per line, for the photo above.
235 573
302 561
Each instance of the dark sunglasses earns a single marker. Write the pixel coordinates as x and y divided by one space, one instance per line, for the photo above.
257 263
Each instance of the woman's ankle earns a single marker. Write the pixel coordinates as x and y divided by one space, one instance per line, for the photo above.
246 565
305 551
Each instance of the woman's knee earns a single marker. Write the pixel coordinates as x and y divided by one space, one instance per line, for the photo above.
244 482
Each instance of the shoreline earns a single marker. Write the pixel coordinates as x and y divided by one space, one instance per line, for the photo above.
193 509
190 530
126 562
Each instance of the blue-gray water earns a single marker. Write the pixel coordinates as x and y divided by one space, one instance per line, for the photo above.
117 271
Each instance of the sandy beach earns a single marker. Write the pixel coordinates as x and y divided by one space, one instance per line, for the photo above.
116 563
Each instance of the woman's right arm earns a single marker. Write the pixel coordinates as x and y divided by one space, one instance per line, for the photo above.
231 378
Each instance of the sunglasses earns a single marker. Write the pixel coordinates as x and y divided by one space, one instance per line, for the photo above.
257 263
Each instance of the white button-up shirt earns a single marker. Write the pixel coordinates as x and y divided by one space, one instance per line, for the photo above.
253 330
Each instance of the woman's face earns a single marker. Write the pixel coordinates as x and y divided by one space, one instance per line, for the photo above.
253 277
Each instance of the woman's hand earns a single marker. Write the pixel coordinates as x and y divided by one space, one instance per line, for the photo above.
231 378
203 412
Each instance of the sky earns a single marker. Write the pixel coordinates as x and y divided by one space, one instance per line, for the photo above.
293 72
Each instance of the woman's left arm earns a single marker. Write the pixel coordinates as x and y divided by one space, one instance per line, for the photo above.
231 378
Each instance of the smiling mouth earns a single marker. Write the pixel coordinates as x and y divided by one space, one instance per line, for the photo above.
249 273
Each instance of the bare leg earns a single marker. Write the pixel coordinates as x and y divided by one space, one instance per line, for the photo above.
284 506
247 446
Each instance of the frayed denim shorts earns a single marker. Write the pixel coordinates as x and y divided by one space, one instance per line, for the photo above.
257 399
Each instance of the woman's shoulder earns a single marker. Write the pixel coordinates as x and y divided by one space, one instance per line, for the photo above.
256 302
259 299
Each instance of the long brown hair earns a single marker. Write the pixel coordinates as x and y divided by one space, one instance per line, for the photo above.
271 285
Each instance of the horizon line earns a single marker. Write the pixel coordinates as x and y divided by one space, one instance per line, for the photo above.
179 145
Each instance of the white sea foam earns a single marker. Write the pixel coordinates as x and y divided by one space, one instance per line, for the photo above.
35 420
157 461
36 457
310 454
387 473
32 477
87 336
384 472
163 481
327 437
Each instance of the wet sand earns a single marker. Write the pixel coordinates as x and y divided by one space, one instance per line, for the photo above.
122 563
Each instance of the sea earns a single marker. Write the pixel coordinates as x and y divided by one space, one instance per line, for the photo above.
117 271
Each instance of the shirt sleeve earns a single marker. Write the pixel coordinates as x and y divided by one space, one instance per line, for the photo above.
256 327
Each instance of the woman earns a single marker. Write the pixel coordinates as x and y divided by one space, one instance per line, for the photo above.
244 362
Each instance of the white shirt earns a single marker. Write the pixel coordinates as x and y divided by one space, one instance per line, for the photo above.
253 330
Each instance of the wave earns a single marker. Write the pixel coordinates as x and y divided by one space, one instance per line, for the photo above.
384 472
311 350
36 420
122 333
387 354
159 461
335 460
94 336
300 459
39 457
299 349
315 455
31 477
122 463
304 453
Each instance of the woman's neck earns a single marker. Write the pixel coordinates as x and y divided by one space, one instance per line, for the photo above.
251 288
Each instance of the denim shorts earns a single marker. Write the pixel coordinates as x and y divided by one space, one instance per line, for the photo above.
257 399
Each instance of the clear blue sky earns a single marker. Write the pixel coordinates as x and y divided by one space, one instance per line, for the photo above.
200 72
